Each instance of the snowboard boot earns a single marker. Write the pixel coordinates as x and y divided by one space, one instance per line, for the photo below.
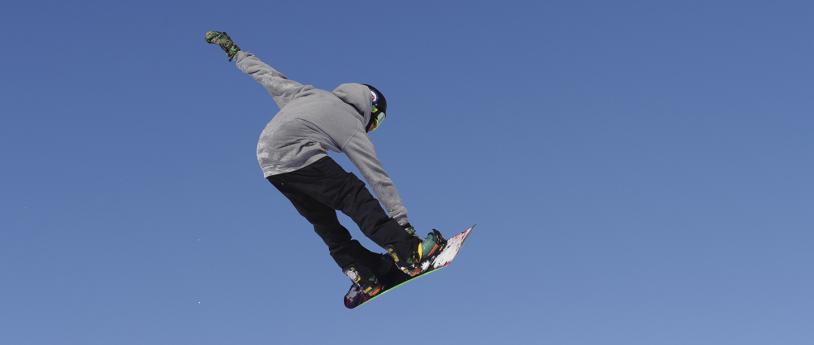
388 273
224 41
418 256
365 279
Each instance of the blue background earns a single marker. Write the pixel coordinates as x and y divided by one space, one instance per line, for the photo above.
641 171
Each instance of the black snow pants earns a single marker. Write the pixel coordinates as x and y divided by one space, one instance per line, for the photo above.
319 189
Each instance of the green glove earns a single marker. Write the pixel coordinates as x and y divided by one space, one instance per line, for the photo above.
224 41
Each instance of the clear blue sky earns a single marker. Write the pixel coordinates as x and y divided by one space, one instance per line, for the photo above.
641 171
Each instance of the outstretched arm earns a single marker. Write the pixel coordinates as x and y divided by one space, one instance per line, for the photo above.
278 86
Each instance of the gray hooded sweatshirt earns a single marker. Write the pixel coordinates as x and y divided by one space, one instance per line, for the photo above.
311 122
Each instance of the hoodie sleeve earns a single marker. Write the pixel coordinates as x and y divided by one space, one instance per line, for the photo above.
361 152
282 89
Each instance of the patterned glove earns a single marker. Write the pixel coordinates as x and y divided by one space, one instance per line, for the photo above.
224 41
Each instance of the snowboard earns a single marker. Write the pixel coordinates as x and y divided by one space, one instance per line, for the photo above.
355 297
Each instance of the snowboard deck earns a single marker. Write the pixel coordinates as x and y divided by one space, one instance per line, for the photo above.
354 297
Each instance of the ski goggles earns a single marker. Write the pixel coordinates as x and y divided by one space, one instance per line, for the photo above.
376 120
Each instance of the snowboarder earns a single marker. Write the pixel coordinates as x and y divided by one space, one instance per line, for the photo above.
292 152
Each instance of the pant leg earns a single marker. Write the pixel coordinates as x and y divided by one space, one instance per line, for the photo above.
344 250
340 245
327 183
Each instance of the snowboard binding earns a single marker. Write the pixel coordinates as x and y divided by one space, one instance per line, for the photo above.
364 279
421 253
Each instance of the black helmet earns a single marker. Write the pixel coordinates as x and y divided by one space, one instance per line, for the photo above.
379 109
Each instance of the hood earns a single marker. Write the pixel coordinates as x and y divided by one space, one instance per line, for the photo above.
358 96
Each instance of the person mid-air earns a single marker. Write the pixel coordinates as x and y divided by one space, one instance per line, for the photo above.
292 152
